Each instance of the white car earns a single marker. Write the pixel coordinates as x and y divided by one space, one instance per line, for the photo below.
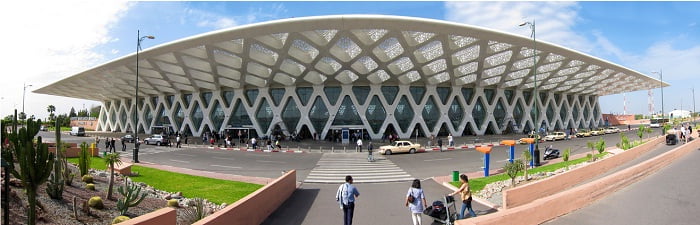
156 139
611 130
555 136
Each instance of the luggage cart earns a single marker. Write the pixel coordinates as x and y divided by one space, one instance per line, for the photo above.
443 213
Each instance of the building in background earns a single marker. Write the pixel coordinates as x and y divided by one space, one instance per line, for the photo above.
374 74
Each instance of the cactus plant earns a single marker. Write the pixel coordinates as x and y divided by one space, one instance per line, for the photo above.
56 184
35 161
120 219
196 212
84 159
527 157
87 179
96 202
112 159
131 197
90 187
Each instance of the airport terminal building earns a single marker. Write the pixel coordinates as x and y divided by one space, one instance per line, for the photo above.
314 76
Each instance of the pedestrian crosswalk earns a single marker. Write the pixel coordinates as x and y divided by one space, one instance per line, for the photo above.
333 167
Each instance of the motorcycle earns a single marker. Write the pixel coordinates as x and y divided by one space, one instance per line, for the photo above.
551 153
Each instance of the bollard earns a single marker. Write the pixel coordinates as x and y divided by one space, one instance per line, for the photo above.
511 152
487 157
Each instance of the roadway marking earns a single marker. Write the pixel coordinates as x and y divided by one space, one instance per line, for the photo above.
180 161
430 160
224 158
265 161
230 167
183 154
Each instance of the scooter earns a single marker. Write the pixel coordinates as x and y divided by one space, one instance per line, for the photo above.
551 153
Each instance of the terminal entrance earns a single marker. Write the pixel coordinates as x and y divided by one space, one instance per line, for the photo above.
242 134
346 134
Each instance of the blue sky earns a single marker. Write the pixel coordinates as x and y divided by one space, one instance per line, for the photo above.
57 39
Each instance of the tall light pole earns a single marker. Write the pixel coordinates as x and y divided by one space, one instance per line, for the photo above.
661 81
693 115
139 39
24 93
536 94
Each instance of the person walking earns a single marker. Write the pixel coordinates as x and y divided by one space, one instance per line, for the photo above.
254 142
451 140
359 145
177 141
466 196
106 144
345 196
123 145
439 142
415 201
277 144
112 144
186 140
370 147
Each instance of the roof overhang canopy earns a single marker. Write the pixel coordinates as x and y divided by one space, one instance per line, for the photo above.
355 50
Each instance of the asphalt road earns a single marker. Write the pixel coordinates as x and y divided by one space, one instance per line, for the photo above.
669 196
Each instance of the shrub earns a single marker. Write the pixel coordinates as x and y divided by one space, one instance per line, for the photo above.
565 157
600 146
512 169
90 187
173 203
96 202
120 219
88 179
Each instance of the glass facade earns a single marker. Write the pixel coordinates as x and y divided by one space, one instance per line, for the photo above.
379 109
318 114
304 94
389 93
403 113
347 114
291 115
217 115
264 115
375 115
361 93
431 114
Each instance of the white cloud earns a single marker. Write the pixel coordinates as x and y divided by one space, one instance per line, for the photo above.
47 41
212 20
554 20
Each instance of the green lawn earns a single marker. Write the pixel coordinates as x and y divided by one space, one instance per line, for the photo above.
477 184
214 190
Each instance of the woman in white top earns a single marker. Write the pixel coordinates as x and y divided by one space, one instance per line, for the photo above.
415 200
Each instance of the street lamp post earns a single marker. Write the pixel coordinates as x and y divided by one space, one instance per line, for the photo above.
535 94
139 39
661 81
24 93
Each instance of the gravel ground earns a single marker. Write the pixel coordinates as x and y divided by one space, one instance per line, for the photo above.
62 211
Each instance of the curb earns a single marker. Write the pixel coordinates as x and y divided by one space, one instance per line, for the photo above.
479 200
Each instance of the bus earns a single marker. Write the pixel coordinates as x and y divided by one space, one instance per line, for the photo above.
657 122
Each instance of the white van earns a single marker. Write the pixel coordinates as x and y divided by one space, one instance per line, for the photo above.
77 131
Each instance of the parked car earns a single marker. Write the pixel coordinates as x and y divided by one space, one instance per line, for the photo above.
599 131
128 138
583 133
156 139
399 147
531 135
555 136
43 128
611 130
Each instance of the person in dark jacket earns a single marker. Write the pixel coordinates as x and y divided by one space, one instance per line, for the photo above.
123 145
111 145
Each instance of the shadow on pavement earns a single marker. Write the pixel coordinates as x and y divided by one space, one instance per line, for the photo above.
294 210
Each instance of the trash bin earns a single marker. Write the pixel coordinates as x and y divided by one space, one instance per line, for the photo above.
536 157
455 176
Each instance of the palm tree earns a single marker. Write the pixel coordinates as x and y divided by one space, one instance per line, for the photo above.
112 159
51 109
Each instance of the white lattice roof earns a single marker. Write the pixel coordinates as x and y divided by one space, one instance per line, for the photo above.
351 49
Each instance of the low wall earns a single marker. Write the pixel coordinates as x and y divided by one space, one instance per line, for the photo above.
527 193
162 216
256 207
75 152
550 207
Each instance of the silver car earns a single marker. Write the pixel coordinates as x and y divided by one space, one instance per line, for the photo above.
156 139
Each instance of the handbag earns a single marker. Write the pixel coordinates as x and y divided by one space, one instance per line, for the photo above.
410 198
468 200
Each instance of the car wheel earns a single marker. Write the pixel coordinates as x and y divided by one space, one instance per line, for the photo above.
387 152
413 150
158 143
